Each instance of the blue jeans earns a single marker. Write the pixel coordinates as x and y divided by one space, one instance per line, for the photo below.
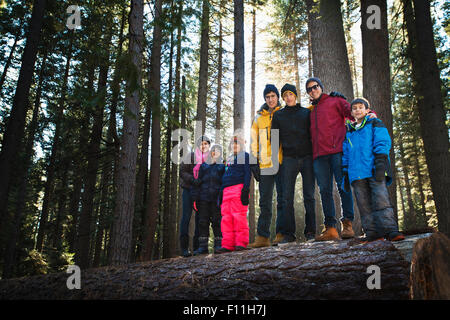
266 184
291 168
324 169
377 214
185 220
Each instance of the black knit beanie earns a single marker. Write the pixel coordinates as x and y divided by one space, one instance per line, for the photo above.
316 80
271 88
288 87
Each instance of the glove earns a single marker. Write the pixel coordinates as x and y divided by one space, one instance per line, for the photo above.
346 181
245 194
380 167
256 171
337 94
195 206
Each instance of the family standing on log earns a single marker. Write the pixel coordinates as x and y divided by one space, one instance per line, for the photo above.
320 142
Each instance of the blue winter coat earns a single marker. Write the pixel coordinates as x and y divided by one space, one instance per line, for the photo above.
360 147
211 177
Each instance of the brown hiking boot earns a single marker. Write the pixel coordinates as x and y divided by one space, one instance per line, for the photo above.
260 242
347 230
329 234
278 238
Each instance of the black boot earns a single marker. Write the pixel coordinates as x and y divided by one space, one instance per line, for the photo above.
184 246
217 243
202 246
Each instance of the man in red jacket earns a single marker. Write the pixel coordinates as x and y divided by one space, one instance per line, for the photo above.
328 113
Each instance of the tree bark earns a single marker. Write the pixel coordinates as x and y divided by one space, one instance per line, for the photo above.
7 64
239 67
15 125
84 233
251 207
51 168
408 217
126 181
329 50
296 65
167 232
175 194
203 72
432 117
152 204
376 76
10 252
320 270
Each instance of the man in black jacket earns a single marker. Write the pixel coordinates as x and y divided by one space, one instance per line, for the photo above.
293 123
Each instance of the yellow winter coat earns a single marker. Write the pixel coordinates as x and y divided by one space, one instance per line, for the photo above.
261 137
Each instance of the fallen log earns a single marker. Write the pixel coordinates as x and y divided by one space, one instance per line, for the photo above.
430 268
312 270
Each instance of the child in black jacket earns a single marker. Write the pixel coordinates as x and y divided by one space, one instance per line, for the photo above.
206 196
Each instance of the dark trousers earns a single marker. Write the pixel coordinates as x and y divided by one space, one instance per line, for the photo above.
209 212
185 220
375 208
266 184
291 168
325 167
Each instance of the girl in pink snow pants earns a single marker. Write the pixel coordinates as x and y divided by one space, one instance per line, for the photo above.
234 199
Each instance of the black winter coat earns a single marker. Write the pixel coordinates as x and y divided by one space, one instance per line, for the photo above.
293 124
187 171
211 177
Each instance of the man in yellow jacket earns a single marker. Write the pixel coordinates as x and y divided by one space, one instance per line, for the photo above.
264 148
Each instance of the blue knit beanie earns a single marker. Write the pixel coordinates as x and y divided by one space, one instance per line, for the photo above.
271 88
316 80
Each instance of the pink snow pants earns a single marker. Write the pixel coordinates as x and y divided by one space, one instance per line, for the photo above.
234 222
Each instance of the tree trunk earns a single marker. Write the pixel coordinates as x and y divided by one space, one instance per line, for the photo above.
84 233
320 270
239 67
329 50
175 194
408 217
420 183
203 72
430 105
167 232
15 125
51 169
296 65
376 76
126 181
219 82
152 205
430 268
251 207
10 252
310 65
7 64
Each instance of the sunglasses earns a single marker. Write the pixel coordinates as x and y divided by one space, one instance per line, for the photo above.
315 87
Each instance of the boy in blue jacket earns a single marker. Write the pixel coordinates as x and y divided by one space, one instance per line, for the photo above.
206 196
365 166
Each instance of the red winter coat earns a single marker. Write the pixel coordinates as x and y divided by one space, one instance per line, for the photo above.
328 125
